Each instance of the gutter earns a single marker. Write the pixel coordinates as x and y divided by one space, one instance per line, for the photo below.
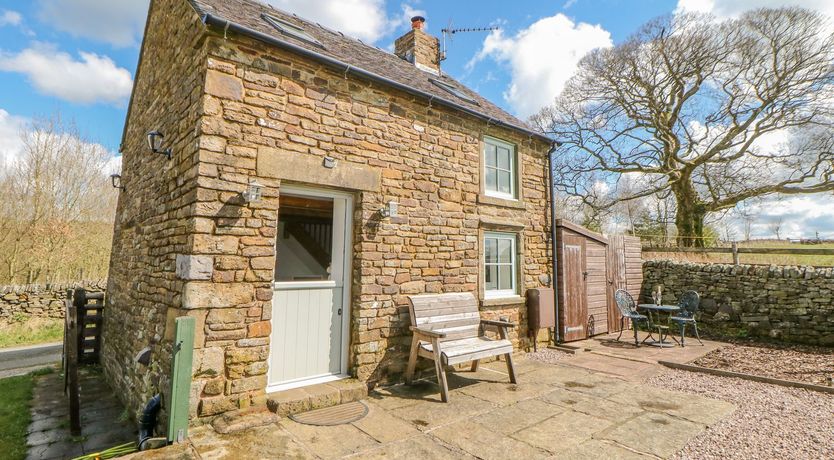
554 280
227 25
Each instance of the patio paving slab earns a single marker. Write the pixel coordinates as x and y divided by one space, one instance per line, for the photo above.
563 431
556 411
480 441
654 433
384 427
510 419
102 422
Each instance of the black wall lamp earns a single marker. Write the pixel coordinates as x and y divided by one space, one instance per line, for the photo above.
116 180
155 143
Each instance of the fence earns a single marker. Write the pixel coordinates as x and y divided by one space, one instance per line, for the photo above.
735 250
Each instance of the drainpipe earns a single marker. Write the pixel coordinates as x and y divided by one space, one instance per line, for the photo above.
554 280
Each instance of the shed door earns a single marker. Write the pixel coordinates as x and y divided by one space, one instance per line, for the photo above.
576 300
312 284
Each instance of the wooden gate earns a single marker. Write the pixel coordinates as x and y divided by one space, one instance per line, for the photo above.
590 267
625 271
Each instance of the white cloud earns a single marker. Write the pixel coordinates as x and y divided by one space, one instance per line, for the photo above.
117 22
801 216
542 58
733 8
10 18
363 19
93 78
11 127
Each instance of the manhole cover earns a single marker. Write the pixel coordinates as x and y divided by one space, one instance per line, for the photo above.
336 415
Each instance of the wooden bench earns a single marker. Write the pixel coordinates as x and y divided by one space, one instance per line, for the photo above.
449 330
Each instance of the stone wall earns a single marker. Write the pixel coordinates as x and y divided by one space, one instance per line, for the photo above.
273 117
792 304
186 243
19 303
152 218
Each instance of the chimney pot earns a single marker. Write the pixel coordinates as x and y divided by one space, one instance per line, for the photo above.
417 22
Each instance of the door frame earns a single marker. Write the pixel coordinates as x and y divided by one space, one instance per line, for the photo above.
347 272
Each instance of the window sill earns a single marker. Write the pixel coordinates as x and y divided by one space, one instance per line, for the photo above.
500 301
503 202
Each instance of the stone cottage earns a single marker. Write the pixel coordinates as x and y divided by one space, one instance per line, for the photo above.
300 184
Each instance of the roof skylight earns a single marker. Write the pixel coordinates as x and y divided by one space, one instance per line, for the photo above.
451 89
291 29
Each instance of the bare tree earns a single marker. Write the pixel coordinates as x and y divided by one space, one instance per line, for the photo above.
776 227
711 112
54 193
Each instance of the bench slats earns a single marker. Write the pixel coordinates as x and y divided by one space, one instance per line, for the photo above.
457 316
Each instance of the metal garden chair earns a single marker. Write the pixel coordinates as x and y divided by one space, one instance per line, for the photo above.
689 302
628 309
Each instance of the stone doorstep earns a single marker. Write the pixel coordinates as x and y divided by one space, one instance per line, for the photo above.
328 394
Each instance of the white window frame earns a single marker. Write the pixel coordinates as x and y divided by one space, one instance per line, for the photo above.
502 293
513 195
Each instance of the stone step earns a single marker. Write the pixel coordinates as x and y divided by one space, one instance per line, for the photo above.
328 394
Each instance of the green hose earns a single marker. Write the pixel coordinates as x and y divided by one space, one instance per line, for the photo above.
113 452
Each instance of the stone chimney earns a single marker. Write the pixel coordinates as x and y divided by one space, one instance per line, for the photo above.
419 48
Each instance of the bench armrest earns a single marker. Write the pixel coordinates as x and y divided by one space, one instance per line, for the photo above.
427 332
489 322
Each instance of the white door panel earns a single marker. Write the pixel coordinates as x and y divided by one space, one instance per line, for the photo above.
309 319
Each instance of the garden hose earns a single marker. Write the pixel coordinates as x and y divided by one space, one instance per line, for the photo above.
113 452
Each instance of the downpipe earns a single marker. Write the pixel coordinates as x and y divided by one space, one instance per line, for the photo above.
147 422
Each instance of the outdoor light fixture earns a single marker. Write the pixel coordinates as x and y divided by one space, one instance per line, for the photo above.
116 180
253 192
390 209
155 143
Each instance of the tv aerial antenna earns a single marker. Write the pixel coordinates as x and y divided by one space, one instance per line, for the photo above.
449 32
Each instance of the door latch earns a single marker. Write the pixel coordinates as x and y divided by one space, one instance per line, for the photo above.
339 312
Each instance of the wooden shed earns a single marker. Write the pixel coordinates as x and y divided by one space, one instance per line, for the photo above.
590 267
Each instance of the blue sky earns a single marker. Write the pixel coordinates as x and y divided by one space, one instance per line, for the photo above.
79 56
101 119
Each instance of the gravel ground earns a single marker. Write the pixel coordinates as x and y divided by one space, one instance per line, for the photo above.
548 355
770 421
795 362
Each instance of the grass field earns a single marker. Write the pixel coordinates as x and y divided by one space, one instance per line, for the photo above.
30 332
754 259
14 415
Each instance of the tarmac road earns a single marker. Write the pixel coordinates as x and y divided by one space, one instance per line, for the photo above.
18 361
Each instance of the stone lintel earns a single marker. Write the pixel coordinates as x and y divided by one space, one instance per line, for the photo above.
500 224
310 169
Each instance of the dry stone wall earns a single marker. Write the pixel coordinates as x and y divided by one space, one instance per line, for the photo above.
22 302
792 304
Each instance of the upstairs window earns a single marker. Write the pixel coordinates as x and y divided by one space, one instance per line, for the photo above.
451 89
291 29
500 169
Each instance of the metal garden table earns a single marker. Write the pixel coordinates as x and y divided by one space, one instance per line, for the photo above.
653 309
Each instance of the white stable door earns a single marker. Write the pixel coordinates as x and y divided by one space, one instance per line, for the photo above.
310 305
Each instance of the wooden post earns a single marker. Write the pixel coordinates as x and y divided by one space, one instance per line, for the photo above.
79 301
181 378
72 372
735 253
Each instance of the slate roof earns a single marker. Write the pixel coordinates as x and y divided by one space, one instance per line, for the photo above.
355 53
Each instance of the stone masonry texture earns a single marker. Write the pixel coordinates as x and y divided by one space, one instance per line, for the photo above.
225 104
787 303
20 303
